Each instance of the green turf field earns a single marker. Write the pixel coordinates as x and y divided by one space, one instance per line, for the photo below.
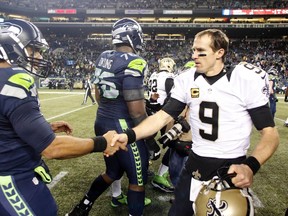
73 177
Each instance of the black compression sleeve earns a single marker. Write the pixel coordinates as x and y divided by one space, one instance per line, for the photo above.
174 107
261 117
133 94
100 144
168 85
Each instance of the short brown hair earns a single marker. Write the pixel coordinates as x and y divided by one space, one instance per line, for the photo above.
219 39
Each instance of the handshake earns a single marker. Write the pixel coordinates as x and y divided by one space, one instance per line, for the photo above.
112 145
117 142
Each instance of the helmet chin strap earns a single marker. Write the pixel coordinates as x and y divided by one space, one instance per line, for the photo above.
131 44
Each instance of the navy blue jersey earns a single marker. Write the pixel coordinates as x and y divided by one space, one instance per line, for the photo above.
116 72
24 133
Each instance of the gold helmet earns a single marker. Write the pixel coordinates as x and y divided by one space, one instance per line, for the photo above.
217 198
167 64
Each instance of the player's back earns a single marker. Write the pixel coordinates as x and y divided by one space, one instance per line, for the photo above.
115 73
157 84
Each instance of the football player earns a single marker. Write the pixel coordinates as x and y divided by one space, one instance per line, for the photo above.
120 95
88 91
160 84
272 72
224 103
25 135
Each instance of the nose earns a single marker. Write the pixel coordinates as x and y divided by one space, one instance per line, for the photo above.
197 55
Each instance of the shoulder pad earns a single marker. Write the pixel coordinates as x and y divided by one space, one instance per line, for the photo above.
22 79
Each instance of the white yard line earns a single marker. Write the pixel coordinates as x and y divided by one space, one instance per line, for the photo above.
280 119
165 198
66 113
55 98
56 179
52 92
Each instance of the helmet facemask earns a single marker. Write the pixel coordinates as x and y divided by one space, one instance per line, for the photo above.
33 63
22 44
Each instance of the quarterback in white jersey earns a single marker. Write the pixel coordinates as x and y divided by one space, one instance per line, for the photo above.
224 102
220 123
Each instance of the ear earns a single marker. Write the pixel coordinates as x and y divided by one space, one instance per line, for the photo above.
220 53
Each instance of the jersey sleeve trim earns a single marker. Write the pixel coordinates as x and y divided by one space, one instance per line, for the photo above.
261 117
174 107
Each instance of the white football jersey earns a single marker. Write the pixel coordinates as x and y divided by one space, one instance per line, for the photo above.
156 84
219 120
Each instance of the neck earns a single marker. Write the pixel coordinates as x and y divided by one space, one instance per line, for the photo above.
215 70
126 49
4 64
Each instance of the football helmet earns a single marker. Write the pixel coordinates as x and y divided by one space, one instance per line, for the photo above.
188 65
167 64
272 71
218 198
15 37
128 31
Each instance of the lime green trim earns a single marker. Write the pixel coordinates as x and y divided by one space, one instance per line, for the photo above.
137 64
22 79
190 64
136 155
12 196
46 177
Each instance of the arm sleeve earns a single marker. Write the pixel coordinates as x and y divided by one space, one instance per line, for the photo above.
31 126
168 85
261 117
174 107
133 94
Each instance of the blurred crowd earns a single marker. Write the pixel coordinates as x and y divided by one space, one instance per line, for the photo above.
146 4
83 53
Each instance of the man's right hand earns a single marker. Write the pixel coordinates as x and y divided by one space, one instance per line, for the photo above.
119 139
117 145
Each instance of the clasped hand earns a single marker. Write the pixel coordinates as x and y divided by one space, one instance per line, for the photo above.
115 142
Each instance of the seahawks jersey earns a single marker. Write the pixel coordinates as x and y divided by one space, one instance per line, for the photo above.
116 72
220 122
24 133
156 84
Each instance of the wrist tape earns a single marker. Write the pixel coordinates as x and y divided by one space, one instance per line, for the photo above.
253 163
131 135
100 144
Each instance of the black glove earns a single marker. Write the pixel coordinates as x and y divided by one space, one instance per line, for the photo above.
153 148
183 148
